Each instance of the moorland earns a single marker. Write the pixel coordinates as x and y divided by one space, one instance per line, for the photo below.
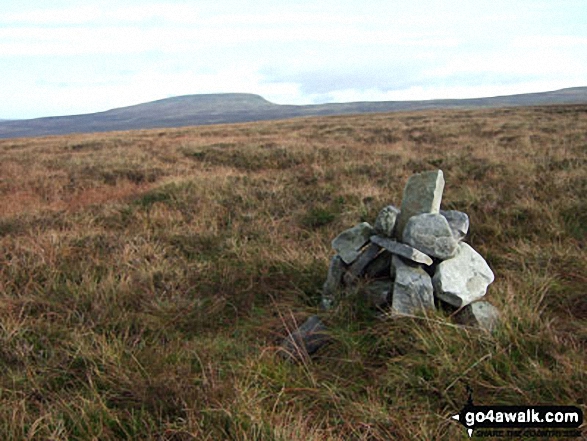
147 277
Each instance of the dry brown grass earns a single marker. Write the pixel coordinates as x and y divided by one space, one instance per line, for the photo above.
146 277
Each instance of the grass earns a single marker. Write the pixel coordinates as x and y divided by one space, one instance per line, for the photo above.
147 277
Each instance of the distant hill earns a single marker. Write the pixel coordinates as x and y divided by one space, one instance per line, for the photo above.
191 110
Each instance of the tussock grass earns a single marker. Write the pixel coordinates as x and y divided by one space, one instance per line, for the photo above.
148 277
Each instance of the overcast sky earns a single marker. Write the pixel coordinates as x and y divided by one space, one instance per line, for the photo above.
63 57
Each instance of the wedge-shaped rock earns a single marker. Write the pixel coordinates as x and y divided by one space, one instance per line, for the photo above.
386 219
357 268
333 284
305 340
462 279
412 289
479 314
378 293
458 222
402 250
431 234
422 194
348 244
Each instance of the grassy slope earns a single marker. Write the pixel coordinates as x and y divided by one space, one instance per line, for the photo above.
146 277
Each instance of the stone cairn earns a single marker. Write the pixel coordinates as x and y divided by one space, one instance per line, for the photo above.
410 260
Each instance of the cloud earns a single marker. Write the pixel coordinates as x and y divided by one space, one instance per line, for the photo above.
99 94
416 93
106 54
184 13
516 62
126 38
550 41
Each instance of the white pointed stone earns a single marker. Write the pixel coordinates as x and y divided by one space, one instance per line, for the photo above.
422 194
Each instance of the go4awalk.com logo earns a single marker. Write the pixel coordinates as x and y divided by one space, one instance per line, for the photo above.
520 421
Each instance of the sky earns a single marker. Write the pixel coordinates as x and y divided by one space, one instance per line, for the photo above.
64 57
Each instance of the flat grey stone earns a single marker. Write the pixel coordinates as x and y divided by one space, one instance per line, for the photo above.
462 279
378 293
349 243
305 340
422 194
458 222
412 289
333 283
431 234
478 314
357 268
380 266
402 249
385 222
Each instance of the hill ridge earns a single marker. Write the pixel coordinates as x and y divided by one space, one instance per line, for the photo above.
223 108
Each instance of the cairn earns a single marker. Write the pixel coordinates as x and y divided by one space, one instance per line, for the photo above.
410 260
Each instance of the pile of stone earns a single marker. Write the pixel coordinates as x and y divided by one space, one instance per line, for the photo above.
411 260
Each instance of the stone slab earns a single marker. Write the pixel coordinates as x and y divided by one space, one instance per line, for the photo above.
333 284
348 244
412 289
402 249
